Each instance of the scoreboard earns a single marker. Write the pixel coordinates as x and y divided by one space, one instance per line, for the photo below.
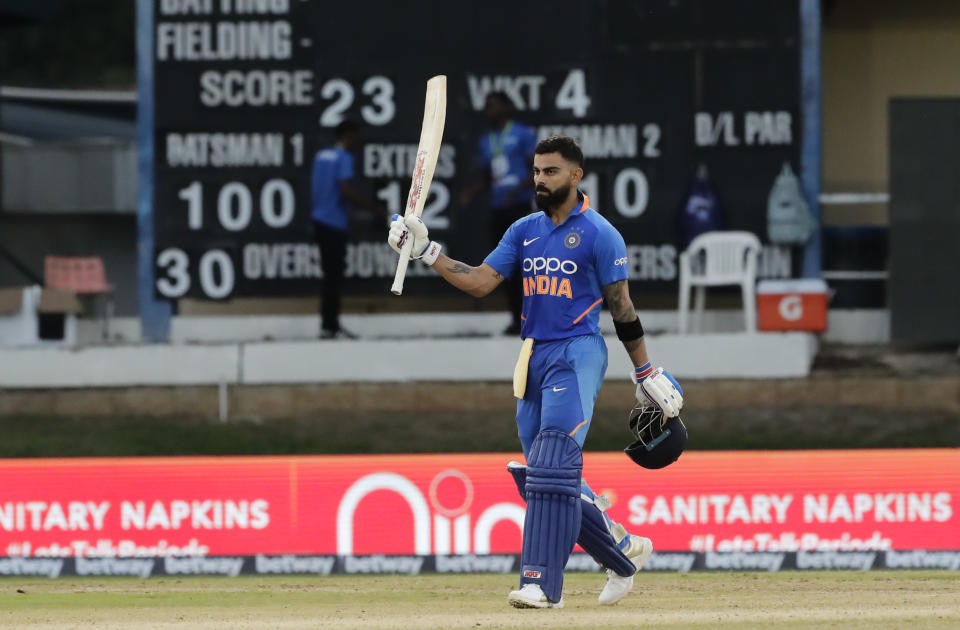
246 91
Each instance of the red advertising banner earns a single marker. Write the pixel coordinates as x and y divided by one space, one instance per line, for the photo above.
468 504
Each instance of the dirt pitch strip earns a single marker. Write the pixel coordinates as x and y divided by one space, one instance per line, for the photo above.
913 600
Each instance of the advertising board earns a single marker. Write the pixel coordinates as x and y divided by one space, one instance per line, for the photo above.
447 512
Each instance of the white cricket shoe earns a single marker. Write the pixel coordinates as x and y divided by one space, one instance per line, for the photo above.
531 596
638 551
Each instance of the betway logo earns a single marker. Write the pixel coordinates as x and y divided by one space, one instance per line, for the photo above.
440 530
549 265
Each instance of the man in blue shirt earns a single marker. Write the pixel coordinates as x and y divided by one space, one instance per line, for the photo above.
505 155
332 189
570 260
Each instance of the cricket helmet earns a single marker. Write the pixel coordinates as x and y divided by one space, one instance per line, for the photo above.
659 441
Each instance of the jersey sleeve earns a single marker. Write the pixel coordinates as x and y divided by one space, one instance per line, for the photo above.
505 257
610 255
344 166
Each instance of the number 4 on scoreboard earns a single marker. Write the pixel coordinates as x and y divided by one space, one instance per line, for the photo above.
573 94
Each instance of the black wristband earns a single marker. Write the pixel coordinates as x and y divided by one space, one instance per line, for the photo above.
628 331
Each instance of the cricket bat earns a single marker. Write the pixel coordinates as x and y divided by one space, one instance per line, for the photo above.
431 135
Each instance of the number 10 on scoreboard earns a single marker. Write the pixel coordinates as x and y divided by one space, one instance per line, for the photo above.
431 136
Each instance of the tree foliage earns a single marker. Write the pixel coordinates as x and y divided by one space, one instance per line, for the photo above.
86 44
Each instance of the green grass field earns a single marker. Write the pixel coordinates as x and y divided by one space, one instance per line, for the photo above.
877 599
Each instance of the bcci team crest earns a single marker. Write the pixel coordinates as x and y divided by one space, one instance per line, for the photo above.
571 240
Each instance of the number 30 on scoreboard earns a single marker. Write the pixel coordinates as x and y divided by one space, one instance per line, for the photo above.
215 272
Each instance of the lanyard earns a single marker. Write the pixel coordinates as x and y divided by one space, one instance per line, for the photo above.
499 140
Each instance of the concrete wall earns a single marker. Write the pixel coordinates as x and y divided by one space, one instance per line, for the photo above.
80 176
730 355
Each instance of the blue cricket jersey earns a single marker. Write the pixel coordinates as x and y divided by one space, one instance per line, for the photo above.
507 153
563 269
330 167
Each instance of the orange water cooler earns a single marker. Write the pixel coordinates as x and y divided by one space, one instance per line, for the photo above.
792 304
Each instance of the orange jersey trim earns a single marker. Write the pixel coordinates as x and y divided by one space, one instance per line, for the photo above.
577 428
590 308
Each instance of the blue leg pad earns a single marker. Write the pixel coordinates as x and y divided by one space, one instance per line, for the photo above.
594 537
596 540
552 523
519 473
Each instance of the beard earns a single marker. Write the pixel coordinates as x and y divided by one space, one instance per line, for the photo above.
547 200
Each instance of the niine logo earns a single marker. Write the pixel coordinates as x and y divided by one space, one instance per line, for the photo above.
526 242
451 529
558 389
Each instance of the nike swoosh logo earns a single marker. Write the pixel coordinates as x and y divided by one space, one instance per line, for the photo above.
559 389
526 242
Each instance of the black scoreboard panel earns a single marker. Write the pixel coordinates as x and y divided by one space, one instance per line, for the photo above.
246 91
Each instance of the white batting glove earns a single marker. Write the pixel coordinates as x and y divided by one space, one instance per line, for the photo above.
423 248
658 387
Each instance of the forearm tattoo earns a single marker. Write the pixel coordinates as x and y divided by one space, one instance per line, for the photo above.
618 302
459 267
621 308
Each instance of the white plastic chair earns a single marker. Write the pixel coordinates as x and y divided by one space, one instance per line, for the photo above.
719 258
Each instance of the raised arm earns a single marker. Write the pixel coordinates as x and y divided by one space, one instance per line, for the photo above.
477 281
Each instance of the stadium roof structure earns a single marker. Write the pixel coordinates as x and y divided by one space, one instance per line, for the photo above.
28 115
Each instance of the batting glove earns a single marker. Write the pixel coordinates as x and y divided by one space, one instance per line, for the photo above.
658 387
402 228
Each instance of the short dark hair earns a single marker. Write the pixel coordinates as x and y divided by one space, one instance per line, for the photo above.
344 128
564 145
